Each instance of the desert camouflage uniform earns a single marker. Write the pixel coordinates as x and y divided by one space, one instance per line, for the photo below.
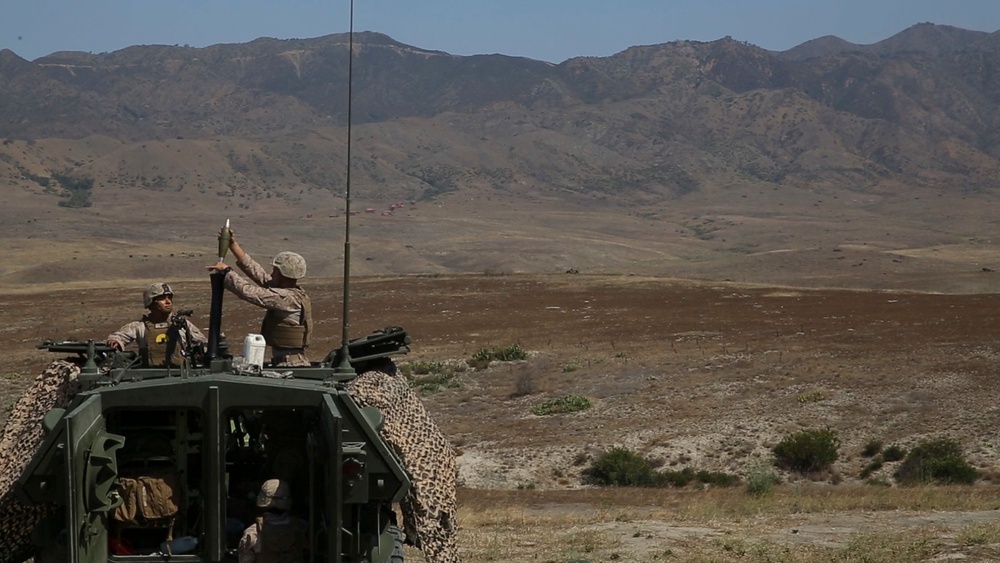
287 301
274 538
135 331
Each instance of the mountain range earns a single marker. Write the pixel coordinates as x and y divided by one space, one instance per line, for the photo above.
687 158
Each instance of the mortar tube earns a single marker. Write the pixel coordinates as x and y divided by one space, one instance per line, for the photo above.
215 314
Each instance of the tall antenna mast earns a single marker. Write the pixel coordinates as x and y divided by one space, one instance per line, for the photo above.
345 366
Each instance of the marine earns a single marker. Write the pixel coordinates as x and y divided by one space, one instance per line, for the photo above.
153 331
276 536
288 320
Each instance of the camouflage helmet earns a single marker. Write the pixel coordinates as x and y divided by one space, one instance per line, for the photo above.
153 291
290 264
276 494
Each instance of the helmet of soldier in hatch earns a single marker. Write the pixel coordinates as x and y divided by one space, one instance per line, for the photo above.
153 291
276 494
290 264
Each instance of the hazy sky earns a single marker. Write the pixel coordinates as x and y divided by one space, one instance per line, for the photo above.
551 30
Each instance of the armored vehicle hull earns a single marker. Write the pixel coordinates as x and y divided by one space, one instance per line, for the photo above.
167 462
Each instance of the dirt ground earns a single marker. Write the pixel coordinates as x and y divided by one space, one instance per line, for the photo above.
690 374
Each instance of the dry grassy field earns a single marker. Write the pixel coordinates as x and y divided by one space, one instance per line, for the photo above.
689 374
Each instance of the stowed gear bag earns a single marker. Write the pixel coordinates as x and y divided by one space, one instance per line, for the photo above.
148 501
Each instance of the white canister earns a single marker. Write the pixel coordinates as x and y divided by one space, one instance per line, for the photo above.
253 349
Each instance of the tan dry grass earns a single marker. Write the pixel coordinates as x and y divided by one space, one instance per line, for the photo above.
793 525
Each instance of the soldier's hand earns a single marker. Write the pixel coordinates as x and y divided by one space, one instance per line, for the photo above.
219 266
115 344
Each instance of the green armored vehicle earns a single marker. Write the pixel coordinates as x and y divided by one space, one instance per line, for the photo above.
149 463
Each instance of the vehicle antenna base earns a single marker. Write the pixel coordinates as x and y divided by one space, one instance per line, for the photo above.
344 367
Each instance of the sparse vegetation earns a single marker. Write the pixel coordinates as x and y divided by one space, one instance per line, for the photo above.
40 180
808 450
981 534
562 405
498 528
432 376
761 480
874 465
526 384
422 368
871 448
510 353
622 467
893 453
938 460
812 396
77 188
683 477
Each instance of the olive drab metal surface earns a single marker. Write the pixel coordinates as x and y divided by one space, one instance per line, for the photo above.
332 435
92 469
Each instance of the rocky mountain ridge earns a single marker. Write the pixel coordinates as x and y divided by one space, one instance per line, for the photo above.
714 142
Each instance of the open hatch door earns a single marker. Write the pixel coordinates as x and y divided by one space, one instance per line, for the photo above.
92 467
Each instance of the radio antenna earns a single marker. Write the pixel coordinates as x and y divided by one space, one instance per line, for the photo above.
345 367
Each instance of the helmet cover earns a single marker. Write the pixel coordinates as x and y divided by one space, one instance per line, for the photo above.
153 291
290 264
275 493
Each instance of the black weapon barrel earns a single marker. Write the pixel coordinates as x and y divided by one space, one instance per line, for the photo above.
215 314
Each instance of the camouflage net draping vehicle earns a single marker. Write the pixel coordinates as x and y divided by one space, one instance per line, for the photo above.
145 457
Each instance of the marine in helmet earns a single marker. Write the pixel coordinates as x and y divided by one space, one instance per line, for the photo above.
276 536
153 331
288 319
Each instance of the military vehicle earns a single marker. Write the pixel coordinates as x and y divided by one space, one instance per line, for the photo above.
167 461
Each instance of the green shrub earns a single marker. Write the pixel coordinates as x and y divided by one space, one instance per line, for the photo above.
621 467
435 382
808 450
78 190
760 480
938 460
686 476
893 453
814 396
675 478
871 448
510 353
477 363
431 376
874 465
562 405
717 478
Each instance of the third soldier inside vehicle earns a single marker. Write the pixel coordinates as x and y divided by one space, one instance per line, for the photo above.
276 536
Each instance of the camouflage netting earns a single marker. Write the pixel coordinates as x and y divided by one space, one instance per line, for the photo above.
22 435
429 509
